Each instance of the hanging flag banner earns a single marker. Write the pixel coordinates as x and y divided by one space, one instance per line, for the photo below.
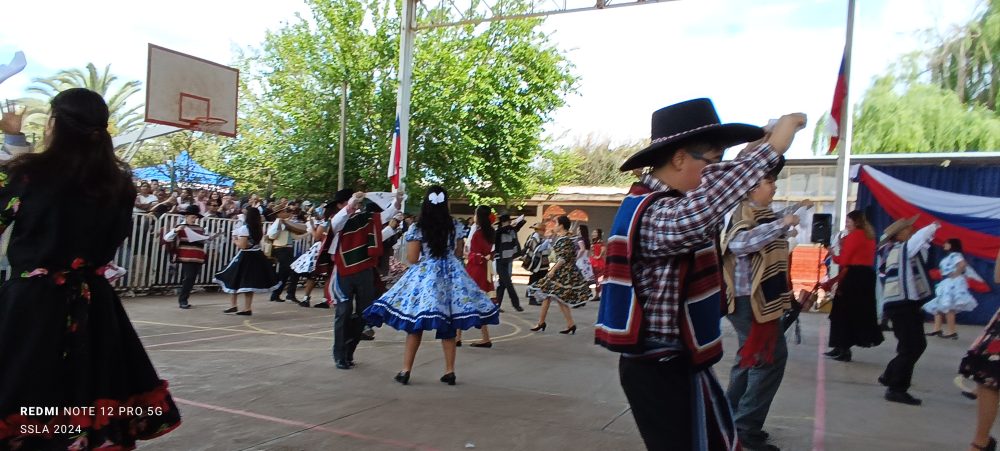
973 219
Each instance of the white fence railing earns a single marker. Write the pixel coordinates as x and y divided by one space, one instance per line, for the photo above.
148 262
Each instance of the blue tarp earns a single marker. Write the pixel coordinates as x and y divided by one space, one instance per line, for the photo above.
186 170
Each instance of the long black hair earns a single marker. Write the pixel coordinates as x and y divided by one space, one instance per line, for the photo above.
483 223
80 150
435 222
585 236
956 245
251 218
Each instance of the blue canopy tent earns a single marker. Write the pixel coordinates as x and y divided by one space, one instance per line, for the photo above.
184 170
981 178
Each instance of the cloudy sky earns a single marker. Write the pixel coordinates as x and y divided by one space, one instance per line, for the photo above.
756 59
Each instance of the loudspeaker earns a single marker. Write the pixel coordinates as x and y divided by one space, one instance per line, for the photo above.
822 224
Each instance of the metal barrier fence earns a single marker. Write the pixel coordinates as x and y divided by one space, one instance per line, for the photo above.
148 262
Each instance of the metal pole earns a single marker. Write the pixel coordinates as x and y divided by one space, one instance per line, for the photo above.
845 129
343 133
408 34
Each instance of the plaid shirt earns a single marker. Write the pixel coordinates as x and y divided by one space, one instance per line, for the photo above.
674 227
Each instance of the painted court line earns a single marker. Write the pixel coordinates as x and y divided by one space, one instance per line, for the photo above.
819 415
340 432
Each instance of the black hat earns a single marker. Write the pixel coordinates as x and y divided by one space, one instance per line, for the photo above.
773 173
192 210
503 218
343 195
693 118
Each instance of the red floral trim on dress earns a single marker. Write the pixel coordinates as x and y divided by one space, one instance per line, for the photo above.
158 398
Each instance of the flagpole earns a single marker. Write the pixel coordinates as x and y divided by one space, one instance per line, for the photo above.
845 128
408 34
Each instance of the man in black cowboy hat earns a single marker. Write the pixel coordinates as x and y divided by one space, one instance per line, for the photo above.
506 248
666 317
189 243
354 243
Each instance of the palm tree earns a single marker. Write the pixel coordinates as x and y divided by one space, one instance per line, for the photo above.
124 117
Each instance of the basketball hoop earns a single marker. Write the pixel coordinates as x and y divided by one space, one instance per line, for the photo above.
208 124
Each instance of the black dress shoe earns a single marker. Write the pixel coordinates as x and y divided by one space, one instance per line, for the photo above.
230 310
245 313
403 377
448 378
321 305
277 300
482 344
902 398
936 333
343 365
953 336
843 356
185 306
304 303
518 308
458 343
833 352
990 446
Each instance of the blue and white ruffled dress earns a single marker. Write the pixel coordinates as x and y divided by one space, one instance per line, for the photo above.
952 293
434 294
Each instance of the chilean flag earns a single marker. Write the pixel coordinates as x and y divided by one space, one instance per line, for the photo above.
837 109
395 156
973 219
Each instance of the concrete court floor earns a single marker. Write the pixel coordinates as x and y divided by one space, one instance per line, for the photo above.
268 383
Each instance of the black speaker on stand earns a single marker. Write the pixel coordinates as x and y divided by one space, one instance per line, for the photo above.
822 225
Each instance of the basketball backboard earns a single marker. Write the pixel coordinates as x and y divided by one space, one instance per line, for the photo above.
191 93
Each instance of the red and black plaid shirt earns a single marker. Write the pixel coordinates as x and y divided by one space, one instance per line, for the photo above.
674 227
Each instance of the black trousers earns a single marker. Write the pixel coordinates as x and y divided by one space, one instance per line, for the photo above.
908 326
284 256
189 272
505 271
661 400
347 321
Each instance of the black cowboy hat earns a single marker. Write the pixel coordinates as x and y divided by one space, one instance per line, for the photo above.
343 195
690 119
192 210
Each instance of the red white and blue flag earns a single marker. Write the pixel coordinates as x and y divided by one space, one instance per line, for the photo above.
395 157
973 219
837 109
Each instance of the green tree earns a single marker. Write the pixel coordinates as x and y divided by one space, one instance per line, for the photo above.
593 161
481 95
125 116
941 99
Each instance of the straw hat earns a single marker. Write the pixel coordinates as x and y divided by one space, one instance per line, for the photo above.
896 227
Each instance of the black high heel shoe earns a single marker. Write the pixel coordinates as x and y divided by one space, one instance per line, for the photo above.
990 446
570 331
540 327
448 378
403 377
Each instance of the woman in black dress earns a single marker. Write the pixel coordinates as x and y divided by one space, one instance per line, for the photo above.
65 340
249 271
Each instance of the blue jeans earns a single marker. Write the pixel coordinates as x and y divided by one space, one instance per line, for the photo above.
751 390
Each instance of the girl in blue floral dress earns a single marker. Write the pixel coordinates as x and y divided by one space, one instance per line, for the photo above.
435 293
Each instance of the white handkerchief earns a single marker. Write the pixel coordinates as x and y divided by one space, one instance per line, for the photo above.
16 65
